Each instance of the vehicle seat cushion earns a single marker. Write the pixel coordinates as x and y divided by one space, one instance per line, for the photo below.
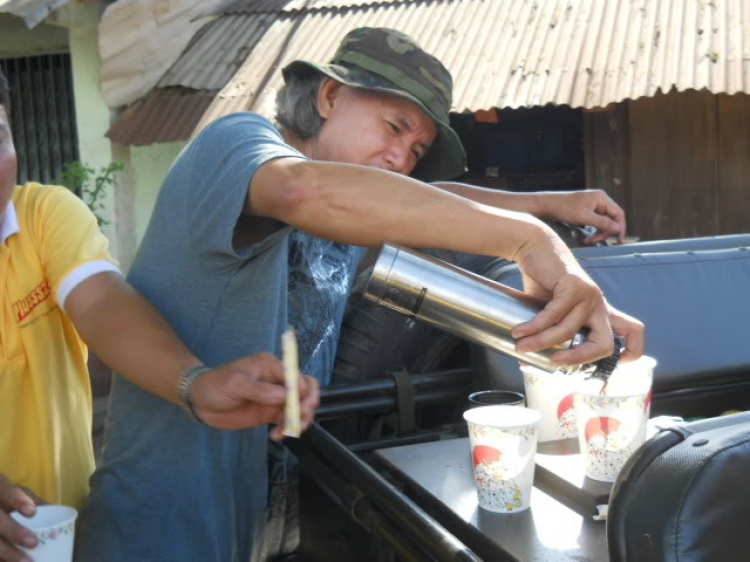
695 305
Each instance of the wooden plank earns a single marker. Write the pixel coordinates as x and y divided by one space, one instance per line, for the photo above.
606 152
674 165
589 148
734 168
648 172
692 121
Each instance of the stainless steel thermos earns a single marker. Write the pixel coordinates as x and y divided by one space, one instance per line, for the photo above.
465 304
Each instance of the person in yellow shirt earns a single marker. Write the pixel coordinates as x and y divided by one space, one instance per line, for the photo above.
59 291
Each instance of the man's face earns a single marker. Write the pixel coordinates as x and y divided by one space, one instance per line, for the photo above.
8 163
372 129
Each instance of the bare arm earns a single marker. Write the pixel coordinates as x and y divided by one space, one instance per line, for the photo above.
368 207
104 305
588 207
124 330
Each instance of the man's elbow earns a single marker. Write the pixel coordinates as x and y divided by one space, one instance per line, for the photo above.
285 191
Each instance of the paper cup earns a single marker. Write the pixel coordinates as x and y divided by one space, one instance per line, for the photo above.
613 425
54 526
551 394
503 444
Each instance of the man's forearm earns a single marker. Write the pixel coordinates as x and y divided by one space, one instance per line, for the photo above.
521 202
126 332
367 207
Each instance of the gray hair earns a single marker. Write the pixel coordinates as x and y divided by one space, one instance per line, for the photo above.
297 105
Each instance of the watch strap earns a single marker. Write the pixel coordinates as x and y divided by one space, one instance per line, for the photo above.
183 389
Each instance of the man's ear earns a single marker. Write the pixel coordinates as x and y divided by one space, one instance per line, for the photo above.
328 93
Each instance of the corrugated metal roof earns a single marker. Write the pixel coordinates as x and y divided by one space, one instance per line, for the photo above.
288 6
505 53
165 115
214 56
140 40
32 11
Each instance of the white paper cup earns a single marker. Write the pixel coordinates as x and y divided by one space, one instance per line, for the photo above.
54 526
612 426
551 394
503 444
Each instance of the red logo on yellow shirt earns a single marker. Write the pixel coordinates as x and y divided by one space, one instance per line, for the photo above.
26 305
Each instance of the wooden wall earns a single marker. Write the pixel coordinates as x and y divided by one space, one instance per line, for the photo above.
679 164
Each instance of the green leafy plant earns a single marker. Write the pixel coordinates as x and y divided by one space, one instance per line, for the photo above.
91 185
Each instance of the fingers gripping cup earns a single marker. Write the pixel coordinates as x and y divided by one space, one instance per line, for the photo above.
612 420
54 527
503 442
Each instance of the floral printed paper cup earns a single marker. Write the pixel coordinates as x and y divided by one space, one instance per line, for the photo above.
551 394
503 444
54 526
612 425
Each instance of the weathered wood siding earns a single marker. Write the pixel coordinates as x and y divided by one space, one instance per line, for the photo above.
679 164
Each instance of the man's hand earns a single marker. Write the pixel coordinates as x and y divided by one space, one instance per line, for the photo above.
551 273
631 330
23 500
573 301
590 207
250 392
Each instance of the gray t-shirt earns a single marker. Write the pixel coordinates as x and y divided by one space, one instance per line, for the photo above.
163 476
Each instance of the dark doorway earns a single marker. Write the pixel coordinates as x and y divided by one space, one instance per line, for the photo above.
527 149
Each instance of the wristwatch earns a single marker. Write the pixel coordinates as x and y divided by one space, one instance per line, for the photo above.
183 389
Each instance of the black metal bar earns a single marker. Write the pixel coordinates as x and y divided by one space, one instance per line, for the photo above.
703 389
385 403
53 119
30 120
355 504
68 110
407 515
457 429
385 386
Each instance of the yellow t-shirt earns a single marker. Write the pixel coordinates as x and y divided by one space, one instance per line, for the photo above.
45 396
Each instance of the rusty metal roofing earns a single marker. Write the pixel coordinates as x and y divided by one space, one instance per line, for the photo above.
165 115
502 53
32 11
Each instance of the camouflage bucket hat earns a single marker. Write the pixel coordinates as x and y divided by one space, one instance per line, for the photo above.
388 61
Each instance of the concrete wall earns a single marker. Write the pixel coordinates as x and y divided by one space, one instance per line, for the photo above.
17 40
129 205
92 114
150 165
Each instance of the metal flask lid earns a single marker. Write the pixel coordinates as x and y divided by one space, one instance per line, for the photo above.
605 366
465 304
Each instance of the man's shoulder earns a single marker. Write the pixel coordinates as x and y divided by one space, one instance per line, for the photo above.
34 197
40 206
245 120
